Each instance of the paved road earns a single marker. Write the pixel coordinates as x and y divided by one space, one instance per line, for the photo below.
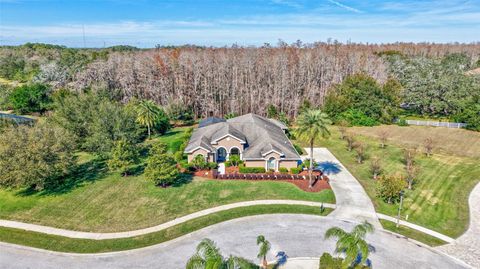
298 235
352 202
467 246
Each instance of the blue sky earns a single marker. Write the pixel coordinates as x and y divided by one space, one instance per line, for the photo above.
146 23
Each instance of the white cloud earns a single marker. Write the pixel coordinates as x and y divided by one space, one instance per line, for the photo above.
445 23
344 6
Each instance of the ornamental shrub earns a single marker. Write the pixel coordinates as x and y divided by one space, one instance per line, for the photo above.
295 170
283 170
254 170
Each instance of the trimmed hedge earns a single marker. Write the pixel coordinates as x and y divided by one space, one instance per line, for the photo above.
295 170
244 169
282 170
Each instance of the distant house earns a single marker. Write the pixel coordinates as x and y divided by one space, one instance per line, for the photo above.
260 142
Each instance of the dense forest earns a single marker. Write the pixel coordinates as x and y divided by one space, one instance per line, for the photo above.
428 79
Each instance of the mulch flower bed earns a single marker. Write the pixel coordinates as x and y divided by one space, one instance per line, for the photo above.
320 184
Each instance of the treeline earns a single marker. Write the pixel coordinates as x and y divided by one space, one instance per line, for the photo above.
238 80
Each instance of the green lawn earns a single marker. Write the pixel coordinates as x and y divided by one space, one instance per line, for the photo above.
411 233
440 199
64 244
97 200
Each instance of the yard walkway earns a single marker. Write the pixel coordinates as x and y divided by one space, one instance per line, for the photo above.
101 236
352 201
467 246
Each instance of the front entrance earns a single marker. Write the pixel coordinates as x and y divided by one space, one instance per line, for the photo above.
272 164
221 155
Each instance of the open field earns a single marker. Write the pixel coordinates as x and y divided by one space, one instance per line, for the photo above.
459 142
64 244
97 200
439 200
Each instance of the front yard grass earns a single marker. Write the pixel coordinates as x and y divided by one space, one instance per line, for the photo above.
439 201
64 244
97 200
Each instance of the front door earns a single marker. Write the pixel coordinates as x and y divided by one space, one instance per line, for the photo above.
271 164
221 155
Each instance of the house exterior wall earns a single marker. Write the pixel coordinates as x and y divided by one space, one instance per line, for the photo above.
288 164
255 163
228 143
201 152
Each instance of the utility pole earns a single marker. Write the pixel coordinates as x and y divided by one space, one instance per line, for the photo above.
400 207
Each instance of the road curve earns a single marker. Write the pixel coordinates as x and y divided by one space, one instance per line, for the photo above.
298 235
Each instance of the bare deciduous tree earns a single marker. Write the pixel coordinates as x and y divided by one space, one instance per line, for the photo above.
342 128
383 135
428 144
375 167
409 155
360 150
350 138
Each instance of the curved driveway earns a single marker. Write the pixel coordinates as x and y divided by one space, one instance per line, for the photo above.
298 235
352 202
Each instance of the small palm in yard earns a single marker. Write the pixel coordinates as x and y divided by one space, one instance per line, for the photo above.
312 124
147 114
352 244
208 256
264 248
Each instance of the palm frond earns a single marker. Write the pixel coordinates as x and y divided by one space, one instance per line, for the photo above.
335 232
195 262
208 249
362 229
364 249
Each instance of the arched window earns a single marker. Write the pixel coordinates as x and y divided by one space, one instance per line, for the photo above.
221 154
271 164
234 151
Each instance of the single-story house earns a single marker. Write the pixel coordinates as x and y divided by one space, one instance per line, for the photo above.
260 142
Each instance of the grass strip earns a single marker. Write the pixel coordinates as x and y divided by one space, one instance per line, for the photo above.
411 233
65 244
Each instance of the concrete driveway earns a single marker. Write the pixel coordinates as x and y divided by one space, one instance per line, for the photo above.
298 235
352 202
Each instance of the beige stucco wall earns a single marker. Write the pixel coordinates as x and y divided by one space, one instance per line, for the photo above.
255 163
272 154
288 164
228 143
202 152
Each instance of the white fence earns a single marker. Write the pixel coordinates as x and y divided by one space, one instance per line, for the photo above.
436 123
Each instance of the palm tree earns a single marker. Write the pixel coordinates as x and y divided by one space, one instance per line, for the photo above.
353 243
264 248
312 125
208 257
147 114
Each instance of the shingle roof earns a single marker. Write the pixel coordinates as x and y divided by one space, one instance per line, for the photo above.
209 121
261 134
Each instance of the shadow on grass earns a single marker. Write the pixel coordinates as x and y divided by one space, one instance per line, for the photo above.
183 179
329 168
85 172
137 170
